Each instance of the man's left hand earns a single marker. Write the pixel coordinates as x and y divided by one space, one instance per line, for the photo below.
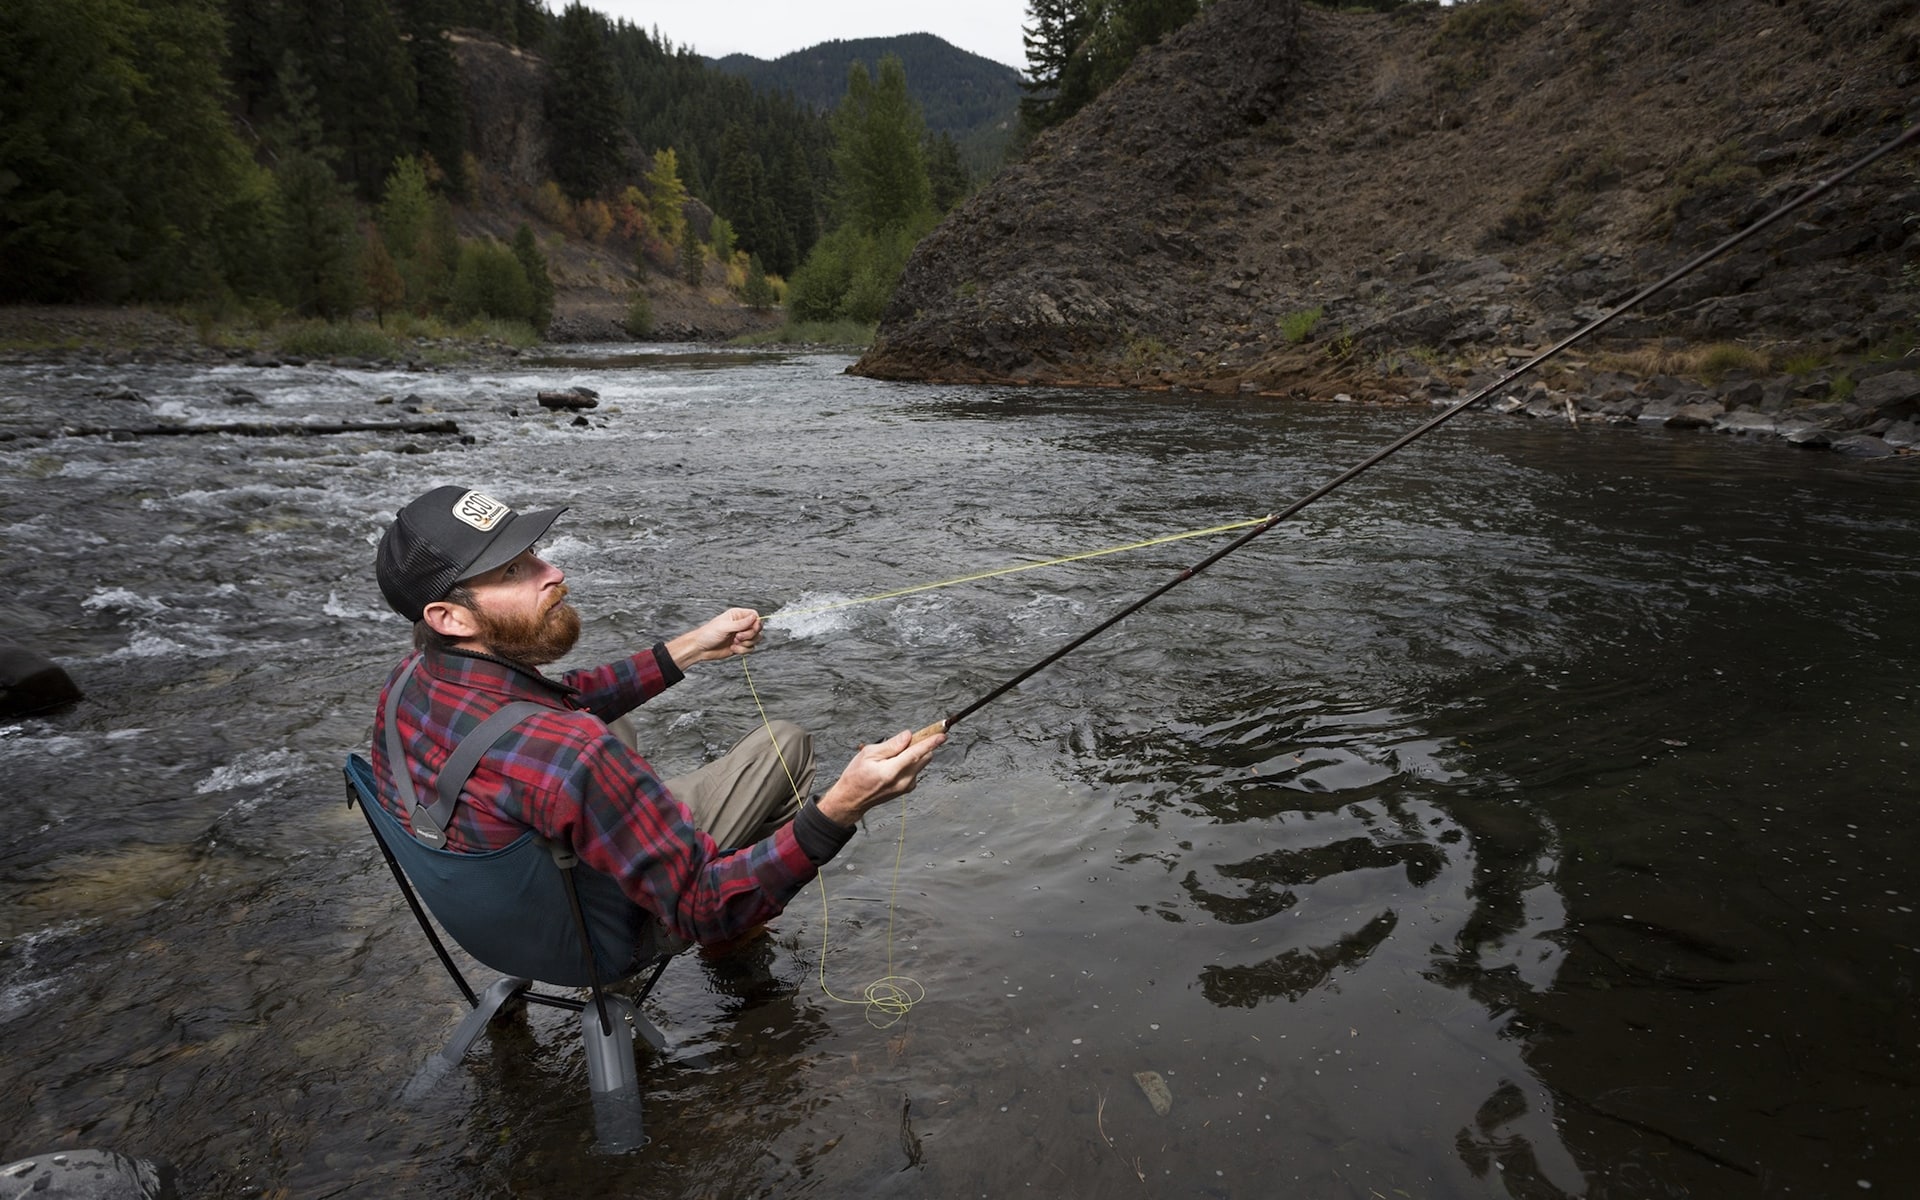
733 632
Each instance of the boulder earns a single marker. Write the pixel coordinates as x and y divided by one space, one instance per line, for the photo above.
1862 445
30 682
1745 420
1903 433
1698 415
87 1175
569 400
1894 394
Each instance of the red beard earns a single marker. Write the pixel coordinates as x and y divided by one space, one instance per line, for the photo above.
534 640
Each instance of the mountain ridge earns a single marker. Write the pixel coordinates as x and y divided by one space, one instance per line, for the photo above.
974 98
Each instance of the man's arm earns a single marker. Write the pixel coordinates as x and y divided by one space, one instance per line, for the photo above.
733 632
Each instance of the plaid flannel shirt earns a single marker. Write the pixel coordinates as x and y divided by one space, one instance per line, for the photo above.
566 776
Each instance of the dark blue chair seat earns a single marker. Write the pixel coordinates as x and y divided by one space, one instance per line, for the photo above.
520 912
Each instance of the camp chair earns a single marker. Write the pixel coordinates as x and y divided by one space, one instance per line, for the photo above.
532 912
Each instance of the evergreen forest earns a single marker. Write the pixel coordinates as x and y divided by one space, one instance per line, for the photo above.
316 158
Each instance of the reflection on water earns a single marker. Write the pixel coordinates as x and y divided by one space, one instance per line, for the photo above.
1533 818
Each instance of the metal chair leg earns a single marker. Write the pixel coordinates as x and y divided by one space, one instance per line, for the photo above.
612 1076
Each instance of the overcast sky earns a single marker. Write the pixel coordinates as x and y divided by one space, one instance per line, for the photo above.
770 28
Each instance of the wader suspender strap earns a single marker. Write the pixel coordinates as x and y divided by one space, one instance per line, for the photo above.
430 824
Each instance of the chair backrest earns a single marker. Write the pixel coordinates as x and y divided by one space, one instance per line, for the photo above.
508 908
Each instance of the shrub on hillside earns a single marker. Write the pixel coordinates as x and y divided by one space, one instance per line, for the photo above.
490 282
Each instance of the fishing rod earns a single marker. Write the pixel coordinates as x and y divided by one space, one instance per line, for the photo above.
954 718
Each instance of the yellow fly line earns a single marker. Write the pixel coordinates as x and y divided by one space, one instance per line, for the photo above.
892 996
1032 566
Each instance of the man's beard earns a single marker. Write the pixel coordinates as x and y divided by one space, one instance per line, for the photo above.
533 640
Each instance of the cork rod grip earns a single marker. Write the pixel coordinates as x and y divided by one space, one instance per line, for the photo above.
921 735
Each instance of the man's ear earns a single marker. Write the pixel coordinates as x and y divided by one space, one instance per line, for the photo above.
451 621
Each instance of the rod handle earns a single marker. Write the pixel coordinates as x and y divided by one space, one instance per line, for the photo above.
921 735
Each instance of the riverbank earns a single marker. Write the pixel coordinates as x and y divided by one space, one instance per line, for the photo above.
1865 406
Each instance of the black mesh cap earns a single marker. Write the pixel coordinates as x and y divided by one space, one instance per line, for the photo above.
450 534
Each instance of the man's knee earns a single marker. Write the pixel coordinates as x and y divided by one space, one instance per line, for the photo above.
795 744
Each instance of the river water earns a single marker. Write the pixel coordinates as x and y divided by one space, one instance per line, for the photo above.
1534 817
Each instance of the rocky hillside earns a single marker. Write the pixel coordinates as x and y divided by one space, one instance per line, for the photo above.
593 280
1445 189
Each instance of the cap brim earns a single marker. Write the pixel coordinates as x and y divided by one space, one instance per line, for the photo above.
515 536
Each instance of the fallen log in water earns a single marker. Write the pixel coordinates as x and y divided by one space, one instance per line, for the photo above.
237 429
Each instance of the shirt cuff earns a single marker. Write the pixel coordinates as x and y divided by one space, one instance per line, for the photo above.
820 837
670 672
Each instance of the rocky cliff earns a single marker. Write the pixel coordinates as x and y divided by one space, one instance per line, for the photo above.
1289 199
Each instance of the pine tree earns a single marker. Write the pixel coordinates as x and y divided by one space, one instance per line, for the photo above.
319 253
117 161
583 105
539 283
946 175
877 136
758 291
1054 41
693 256
440 93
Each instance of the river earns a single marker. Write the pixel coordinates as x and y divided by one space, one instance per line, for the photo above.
1534 817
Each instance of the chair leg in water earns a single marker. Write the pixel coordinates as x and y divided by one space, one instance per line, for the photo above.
435 1070
612 1075
484 1010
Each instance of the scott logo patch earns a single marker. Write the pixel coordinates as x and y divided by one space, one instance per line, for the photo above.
481 511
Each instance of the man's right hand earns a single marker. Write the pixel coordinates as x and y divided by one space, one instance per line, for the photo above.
878 773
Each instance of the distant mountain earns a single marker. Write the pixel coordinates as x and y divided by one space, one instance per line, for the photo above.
975 99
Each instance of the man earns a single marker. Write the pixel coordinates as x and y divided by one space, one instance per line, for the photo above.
711 855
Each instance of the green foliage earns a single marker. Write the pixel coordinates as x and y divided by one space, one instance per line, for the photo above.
439 90
583 104
1842 387
1077 48
385 289
885 203
1144 355
947 178
1724 358
490 282
334 339
960 93
116 159
406 206
639 321
319 249
851 274
1343 347
666 195
877 150
723 240
1297 327
758 291
692 256
724 132
852 334
526 250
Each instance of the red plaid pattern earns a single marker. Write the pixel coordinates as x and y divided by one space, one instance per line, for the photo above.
565 776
